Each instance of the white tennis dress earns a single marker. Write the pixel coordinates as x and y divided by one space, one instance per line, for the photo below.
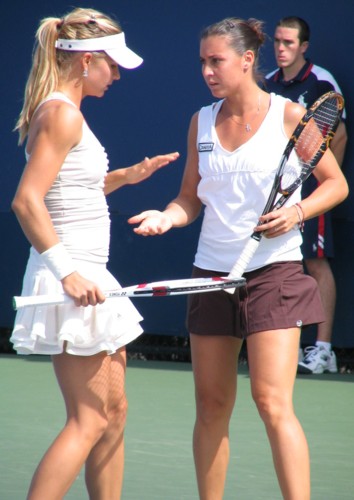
79 212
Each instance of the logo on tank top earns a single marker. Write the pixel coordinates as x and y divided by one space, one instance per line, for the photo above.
204 147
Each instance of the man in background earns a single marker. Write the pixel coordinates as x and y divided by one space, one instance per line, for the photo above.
300 80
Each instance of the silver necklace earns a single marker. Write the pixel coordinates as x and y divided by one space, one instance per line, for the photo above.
247 125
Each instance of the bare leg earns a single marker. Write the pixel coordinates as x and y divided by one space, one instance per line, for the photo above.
273 357
84 382
214 362
321 271
105 464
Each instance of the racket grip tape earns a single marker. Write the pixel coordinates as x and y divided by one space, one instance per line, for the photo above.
40 300
242 262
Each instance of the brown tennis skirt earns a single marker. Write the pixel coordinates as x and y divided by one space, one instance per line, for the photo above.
275 297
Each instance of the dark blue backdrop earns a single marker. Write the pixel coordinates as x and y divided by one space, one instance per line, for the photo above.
147 113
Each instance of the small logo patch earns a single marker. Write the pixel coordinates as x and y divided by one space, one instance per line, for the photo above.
205 146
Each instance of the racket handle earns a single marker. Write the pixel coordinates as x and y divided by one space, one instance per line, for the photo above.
40 300
242 262
60 298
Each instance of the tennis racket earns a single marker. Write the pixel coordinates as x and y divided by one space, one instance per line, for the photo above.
309 141
156 289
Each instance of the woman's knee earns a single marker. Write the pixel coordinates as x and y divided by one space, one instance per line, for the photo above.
110 421
271 407
88 428
117 412
212 407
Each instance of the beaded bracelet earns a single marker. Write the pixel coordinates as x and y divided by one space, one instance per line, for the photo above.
300 214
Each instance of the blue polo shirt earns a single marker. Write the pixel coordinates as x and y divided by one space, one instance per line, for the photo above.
308 85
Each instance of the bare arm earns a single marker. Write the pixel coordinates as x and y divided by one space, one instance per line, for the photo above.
136 173
333 188
54 130
182 210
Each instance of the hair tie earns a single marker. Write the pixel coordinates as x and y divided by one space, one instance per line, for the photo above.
60 24
92 19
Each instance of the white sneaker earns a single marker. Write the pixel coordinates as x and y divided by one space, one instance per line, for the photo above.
317 360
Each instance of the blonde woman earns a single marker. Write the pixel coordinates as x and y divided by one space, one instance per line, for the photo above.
61 206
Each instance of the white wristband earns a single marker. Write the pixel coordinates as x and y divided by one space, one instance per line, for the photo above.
58 260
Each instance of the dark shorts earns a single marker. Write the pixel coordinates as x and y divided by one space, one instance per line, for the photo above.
275 297
318 233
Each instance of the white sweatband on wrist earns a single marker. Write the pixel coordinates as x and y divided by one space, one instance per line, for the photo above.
58 260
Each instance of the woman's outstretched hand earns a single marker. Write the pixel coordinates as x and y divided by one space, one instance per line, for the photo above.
143 170
151 222
120 177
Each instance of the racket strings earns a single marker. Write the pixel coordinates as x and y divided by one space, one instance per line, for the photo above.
292 172
311 144
317 133
326 119
326 116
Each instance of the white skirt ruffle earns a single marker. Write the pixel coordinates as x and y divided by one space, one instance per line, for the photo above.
82 331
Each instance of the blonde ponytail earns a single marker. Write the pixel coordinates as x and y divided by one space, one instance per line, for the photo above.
44 75
49 65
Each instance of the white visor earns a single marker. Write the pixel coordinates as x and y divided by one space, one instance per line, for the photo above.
113 45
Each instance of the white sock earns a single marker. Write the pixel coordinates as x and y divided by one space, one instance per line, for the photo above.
325 345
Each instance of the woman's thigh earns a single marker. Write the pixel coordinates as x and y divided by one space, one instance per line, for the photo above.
272 359
89 383
215 361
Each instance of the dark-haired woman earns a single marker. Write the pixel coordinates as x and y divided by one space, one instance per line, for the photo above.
234 148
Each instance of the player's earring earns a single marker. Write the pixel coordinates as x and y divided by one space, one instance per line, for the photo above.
85 73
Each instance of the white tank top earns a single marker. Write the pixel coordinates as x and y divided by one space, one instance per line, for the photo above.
76 201
234 188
